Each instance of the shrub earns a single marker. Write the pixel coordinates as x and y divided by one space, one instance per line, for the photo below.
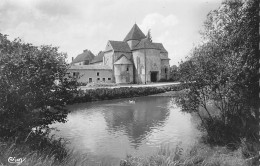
116 93
30 98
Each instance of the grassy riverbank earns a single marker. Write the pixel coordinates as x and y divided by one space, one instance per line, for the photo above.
54 152
122 92
197 155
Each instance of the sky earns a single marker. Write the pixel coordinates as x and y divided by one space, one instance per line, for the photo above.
76 25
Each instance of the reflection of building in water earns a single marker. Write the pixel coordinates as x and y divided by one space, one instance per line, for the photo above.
139 119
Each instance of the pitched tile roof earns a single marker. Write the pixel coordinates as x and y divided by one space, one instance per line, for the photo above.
165 58
86 55
134 34
89 67
98 58
122 60
160 46
145 44
120 46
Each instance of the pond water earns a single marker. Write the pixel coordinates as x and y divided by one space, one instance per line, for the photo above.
112 129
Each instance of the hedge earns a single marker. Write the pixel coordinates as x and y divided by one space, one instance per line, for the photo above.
117 93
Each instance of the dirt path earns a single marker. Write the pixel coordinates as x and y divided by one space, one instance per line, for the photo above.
158 84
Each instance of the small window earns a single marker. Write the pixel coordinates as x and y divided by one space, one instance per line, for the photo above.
97 73
86 62
104 79
109 79
89 79
127 69
98 79
75 74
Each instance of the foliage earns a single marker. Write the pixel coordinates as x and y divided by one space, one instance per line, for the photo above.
149 36
197 155
33 91
117 93
174 73
223 70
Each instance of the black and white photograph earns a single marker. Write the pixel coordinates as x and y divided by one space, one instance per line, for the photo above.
129 83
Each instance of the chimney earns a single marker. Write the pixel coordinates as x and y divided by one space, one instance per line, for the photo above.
85 50
72 59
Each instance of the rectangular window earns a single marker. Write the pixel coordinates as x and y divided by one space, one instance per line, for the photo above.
89 79
127 69
97 73
98 79
104 79
76 74
109 79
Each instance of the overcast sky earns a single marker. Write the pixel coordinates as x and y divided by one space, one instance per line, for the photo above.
75 25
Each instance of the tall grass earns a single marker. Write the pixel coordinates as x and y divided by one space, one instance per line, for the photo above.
53 152
197 155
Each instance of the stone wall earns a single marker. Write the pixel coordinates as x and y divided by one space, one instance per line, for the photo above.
108 59
95 74
165 65
123 73
153 61
143 69
139 66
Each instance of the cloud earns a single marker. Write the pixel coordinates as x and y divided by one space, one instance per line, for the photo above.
89 24
154 20
164 29
170 21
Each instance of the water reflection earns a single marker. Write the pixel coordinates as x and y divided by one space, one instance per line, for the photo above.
113 129
137 120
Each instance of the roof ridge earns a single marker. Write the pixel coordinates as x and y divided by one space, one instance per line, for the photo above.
121 60
120 46
85 55
134 34
145 44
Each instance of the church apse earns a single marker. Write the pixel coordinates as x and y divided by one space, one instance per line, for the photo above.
146 60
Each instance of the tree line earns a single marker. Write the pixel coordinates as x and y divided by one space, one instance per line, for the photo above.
222 73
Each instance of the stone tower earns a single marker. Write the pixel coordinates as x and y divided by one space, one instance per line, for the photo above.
134 36
146 56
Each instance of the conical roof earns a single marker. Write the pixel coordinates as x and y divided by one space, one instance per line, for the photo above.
145 44
134 34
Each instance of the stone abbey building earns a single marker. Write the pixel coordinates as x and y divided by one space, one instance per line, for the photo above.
136 59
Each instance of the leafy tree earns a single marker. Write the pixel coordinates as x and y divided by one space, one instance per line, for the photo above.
224 71
149 36
29 97
174 73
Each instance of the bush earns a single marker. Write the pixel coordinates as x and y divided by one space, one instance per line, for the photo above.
224 71
117 93
29 96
